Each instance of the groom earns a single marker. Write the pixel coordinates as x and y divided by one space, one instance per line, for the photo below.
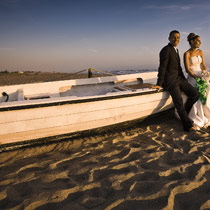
172 79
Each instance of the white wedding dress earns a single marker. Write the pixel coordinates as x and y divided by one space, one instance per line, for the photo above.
199 113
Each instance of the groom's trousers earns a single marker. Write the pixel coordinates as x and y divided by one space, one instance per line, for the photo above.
175 91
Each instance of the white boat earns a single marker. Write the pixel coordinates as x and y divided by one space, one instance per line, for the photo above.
39 110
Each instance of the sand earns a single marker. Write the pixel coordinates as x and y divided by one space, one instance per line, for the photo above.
143 165
36 77
148 165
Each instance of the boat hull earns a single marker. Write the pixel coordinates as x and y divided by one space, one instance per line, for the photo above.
49 119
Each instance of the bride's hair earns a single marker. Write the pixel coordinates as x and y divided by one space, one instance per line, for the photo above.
191 37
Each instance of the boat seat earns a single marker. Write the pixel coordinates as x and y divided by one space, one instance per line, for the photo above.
140 86
37 96
20 94
123 88
139 80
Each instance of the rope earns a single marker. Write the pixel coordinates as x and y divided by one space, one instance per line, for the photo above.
104 72
79 72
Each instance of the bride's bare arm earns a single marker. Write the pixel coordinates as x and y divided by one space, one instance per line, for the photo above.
187 65
203 65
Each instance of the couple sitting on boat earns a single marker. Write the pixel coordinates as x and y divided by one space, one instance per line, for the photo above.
195 112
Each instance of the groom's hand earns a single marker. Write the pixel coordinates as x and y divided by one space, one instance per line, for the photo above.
157 87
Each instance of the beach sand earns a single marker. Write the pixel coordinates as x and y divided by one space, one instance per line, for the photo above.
148 165
36 77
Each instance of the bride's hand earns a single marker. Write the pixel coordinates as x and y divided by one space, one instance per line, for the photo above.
196 76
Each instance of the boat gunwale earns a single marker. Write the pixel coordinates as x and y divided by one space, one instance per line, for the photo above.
46 103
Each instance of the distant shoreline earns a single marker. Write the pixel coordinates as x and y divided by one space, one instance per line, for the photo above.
16 78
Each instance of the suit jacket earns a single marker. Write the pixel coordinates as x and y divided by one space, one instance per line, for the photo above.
169 71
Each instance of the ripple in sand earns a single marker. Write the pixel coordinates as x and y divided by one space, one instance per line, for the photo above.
92 202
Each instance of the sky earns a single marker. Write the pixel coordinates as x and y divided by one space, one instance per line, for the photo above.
72 35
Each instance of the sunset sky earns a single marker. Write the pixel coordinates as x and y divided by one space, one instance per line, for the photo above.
72 35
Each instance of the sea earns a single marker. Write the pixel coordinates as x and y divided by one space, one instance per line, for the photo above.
119 72
130 71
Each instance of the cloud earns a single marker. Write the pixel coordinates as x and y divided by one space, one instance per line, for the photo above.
11 1
8 49
93 51
187 7
180 7
170 7
184 33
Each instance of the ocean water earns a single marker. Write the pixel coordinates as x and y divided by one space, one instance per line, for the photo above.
119 72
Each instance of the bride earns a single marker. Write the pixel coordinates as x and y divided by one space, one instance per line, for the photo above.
195 65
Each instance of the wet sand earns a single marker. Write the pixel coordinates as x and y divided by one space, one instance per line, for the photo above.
148 165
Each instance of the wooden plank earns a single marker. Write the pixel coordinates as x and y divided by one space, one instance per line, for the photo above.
41 133
37 122
52 111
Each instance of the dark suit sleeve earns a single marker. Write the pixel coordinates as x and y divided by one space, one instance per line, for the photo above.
164 59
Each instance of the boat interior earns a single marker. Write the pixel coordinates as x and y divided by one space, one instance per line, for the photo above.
73 89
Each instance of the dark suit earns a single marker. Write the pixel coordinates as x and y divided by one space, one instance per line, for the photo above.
171 78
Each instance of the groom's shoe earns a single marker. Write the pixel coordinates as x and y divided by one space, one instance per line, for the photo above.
188 129
189 126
